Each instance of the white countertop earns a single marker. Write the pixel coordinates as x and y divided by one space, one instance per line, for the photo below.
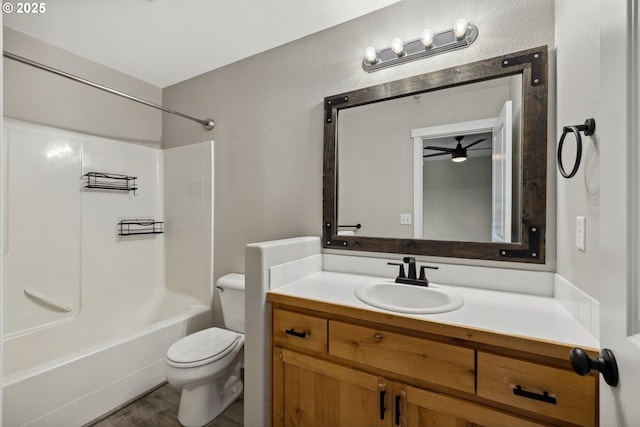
501 312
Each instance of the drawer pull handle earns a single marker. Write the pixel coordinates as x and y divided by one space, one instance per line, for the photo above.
544 397
397 410
382 408
297 334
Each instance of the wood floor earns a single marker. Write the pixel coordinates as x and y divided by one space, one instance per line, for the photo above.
159 408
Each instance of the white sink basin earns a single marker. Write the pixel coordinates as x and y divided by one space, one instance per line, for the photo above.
409 299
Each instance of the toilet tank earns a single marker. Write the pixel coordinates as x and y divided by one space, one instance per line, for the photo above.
231 287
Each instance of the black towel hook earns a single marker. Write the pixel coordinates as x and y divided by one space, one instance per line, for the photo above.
589 127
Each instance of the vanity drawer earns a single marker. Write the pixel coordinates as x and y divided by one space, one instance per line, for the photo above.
299 330
557 393
414 357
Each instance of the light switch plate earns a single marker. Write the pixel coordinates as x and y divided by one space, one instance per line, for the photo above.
405 219
581 224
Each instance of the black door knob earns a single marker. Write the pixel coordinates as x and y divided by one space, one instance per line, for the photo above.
606 364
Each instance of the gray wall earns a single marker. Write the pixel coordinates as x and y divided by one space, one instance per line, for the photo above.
40 97
268 111
457 199
578 94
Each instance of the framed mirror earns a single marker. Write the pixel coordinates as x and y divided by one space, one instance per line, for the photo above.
450 163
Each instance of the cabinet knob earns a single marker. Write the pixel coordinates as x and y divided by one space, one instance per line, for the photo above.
606 364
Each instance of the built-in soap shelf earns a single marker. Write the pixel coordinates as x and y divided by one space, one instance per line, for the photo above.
110 181
132 227
47 300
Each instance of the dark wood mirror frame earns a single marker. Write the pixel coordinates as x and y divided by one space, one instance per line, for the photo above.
532 64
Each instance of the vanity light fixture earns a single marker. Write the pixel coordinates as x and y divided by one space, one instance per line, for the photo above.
426 38
460 28
397 46
370 55
430 43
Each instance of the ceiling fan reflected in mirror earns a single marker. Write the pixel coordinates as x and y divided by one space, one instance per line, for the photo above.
459 153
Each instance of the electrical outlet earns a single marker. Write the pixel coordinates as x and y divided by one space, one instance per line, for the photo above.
581 224
405 219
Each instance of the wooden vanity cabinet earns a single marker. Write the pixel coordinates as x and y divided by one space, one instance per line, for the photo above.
335 370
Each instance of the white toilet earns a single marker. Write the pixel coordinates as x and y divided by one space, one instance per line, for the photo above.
207 365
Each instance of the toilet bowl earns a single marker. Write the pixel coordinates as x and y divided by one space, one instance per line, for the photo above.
207 365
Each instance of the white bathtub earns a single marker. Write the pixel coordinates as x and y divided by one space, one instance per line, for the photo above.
71 373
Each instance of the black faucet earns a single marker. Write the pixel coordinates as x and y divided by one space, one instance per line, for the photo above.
412 278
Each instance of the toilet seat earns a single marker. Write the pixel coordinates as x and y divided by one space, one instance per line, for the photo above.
202 348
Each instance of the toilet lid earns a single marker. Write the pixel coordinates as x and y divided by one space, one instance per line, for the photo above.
203 347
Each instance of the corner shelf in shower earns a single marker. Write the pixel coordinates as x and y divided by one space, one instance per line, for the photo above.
110 181
131 227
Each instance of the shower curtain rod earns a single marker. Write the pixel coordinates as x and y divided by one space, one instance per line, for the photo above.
208 124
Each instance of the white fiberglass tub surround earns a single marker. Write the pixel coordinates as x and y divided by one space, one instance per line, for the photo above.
87 314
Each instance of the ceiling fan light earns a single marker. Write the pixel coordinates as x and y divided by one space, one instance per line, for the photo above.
458 157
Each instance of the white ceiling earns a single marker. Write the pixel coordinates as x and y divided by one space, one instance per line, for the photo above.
167 41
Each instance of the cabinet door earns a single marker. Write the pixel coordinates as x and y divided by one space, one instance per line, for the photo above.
308 392
425 408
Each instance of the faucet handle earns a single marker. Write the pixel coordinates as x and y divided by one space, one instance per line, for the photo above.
401 273
423 276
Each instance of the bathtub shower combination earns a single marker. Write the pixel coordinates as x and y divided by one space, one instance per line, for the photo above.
107 252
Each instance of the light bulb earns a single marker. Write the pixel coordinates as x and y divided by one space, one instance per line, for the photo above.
460 28
371 55
458 159
397 46
427 38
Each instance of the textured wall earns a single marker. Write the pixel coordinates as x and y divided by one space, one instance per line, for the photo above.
268 110
457 200
578 96
37 96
